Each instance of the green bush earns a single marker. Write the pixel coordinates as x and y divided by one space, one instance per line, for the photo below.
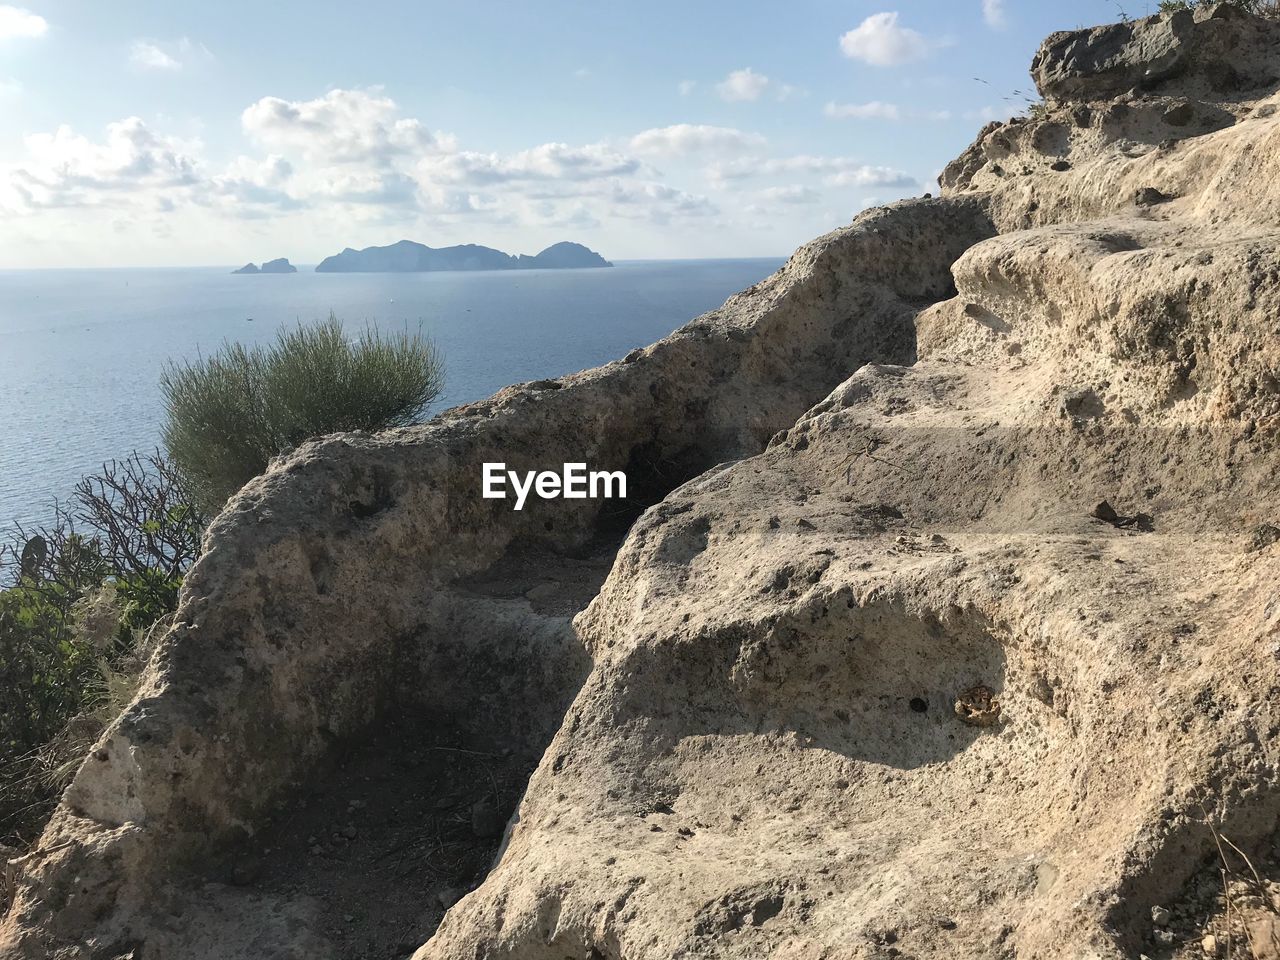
229 414
76 598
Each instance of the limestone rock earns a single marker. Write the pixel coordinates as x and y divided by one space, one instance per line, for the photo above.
1221 47
865 492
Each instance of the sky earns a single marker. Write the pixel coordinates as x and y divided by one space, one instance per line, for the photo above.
173 134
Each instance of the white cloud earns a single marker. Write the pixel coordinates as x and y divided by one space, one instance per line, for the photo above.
836 171
874 110
15 22
881 42
791 194
158 55
149 56
656 200
251 183
550 161
343 126
683 139
870 176
351 168
742 85
65 169
994 13
686 87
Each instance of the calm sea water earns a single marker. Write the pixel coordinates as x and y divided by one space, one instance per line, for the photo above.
81 350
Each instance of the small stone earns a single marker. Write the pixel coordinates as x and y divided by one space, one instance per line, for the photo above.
1060 165
349 918
349 831
1209 945
316 850
1264 536
1163 937
1150 196
946 923
1160 916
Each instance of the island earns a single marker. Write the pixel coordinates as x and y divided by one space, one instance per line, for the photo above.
280 265
410 257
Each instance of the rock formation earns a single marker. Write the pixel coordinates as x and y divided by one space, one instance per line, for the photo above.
281 265
409 257
950 628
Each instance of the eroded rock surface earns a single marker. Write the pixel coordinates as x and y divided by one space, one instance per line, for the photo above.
877 481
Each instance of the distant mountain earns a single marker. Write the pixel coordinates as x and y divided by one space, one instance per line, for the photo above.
409 257
282 265
564 255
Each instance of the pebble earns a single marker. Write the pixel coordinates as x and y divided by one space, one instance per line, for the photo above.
317 850
1209 945
1160 916
350 831
1164 937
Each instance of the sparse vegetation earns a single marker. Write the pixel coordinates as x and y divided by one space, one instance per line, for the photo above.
229 414
84 600
1262 8
80 601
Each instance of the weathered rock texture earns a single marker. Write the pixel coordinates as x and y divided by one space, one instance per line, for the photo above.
754 749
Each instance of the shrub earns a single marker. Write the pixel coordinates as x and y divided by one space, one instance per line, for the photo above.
229 414
75 598
1262 8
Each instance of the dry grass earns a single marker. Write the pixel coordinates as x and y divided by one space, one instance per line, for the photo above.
1246 899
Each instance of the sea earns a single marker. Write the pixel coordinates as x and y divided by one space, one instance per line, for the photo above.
81 350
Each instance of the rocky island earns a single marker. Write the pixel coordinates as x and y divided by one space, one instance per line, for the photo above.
282 265
943 623
410 257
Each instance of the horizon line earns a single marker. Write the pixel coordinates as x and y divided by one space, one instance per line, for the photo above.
300 266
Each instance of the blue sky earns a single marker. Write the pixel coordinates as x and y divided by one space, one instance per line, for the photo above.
148 133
